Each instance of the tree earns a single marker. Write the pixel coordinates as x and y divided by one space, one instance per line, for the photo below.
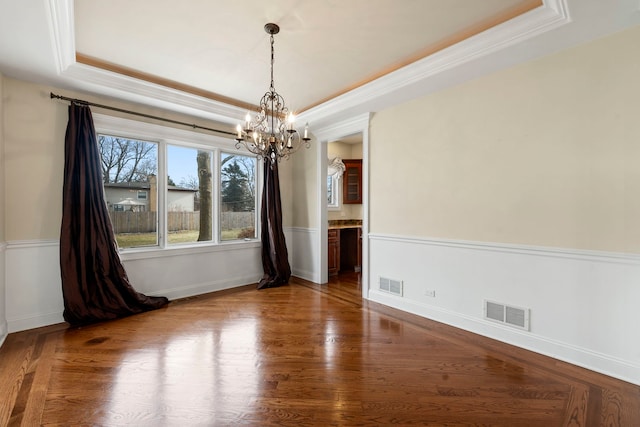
204 188
192 183
248 166
236 191
126 160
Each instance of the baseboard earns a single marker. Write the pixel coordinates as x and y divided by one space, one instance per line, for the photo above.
207 287
32 322
3 333
585 358
304 274
38 321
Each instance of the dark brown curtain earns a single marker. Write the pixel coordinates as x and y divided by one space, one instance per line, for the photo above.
95 285
275 259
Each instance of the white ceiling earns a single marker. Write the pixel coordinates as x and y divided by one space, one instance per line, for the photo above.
324 47
210 58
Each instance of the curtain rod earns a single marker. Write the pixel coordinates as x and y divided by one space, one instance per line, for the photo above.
135 113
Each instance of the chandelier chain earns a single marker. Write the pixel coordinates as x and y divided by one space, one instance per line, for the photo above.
273 88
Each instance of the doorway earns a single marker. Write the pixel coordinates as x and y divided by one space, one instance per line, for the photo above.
344 208
348 140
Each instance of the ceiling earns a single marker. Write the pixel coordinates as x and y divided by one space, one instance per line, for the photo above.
324 47
333 58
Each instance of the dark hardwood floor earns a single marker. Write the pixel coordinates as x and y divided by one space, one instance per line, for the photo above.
298 355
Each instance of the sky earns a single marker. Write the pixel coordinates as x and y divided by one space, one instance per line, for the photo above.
182 163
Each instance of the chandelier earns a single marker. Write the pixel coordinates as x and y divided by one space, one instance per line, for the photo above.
271 133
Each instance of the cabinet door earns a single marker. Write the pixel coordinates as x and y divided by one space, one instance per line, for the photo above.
352 182
334 252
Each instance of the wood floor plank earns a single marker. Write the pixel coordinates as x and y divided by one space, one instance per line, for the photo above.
15 355
298 355
40 386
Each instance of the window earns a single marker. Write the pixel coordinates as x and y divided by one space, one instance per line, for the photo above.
189 202
238 197
333 193
335 169
168 188
127 165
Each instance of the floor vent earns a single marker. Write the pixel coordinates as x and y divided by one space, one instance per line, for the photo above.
508 315
391 286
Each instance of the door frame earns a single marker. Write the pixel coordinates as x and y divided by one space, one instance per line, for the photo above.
324 135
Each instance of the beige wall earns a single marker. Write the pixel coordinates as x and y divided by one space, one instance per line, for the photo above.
305 186
34 156
546 153
345 151
34 161
3 304
3 297
285 173
2 180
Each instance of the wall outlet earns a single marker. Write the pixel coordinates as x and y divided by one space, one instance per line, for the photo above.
430 293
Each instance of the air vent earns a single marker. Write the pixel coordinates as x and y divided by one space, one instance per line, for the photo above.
390 285
508 315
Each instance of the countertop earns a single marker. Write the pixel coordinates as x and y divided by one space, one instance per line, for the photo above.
340 227
339 224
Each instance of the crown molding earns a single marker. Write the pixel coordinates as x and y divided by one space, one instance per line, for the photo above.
136 90
60 14
343 128
61 18
553 14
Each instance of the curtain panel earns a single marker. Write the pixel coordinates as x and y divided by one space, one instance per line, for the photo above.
95 285
275 258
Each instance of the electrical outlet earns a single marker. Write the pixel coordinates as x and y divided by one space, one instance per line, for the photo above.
430 293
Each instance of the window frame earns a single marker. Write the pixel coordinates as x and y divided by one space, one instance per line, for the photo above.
163 136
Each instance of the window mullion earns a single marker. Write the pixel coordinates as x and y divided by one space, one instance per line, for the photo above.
162 194
215 196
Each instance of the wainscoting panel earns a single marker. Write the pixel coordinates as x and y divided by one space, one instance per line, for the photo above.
189 274
303 252
583 305
34 290
33 287
3 305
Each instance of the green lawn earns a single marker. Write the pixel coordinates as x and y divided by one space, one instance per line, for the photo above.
131 240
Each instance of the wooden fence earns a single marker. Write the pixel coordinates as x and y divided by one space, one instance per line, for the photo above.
145 222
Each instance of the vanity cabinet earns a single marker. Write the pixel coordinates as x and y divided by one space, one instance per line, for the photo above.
334 252
352 182
345 249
